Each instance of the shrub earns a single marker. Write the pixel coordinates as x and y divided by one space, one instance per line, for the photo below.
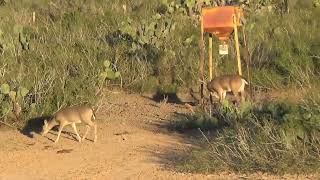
266 138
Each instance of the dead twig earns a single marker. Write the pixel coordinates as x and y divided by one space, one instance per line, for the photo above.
205 137
4 123
190 108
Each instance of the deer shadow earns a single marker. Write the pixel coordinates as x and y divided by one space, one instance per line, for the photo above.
34 125
171 98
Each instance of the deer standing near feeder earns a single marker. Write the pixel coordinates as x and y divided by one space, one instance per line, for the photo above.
228 83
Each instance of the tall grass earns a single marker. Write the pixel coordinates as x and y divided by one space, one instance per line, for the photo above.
284 47
59 67
273 137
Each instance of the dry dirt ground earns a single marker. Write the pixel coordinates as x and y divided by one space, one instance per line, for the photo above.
133 143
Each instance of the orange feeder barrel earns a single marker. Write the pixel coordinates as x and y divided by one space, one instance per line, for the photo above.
219 20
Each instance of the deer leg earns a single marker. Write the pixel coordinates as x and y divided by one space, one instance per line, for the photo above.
221 96
242 93
236 95
75 130
59 133
211 100
85 134
95 132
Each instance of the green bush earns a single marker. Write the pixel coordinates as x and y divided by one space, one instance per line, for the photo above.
263 138
49 64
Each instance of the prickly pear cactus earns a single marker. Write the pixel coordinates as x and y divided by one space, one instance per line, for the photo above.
23 38
108 73
11 100
152 31
5 88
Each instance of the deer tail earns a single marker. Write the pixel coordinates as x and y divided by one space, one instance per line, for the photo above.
245 81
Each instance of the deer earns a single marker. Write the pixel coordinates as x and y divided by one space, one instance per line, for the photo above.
72 116
228 83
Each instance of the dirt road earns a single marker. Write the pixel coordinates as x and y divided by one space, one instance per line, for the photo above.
133 143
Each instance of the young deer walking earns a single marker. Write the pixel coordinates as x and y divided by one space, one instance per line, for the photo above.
228 83
72 115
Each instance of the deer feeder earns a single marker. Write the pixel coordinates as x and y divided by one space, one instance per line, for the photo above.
220 22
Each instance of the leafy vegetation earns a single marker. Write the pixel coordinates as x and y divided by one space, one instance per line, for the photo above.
265 137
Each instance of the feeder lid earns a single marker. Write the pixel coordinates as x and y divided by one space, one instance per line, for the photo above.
219 20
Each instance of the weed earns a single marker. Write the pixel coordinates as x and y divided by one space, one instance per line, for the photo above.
251 138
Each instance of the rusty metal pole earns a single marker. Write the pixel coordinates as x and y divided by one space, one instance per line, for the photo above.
210 58
201 63
210 66
236 38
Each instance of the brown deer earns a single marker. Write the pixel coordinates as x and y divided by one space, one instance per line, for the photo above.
72 116
228 83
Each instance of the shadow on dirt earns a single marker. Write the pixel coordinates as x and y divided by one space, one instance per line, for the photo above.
34 126
188 139
170 98
173 152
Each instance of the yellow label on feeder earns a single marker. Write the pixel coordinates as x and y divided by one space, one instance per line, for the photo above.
223 49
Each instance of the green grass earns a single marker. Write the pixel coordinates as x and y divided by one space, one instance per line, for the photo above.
274 137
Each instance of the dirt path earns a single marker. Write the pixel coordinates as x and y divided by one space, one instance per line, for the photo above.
132 144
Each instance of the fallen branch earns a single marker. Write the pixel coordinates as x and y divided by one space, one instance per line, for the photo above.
112 92
190 108
4 123
314 56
